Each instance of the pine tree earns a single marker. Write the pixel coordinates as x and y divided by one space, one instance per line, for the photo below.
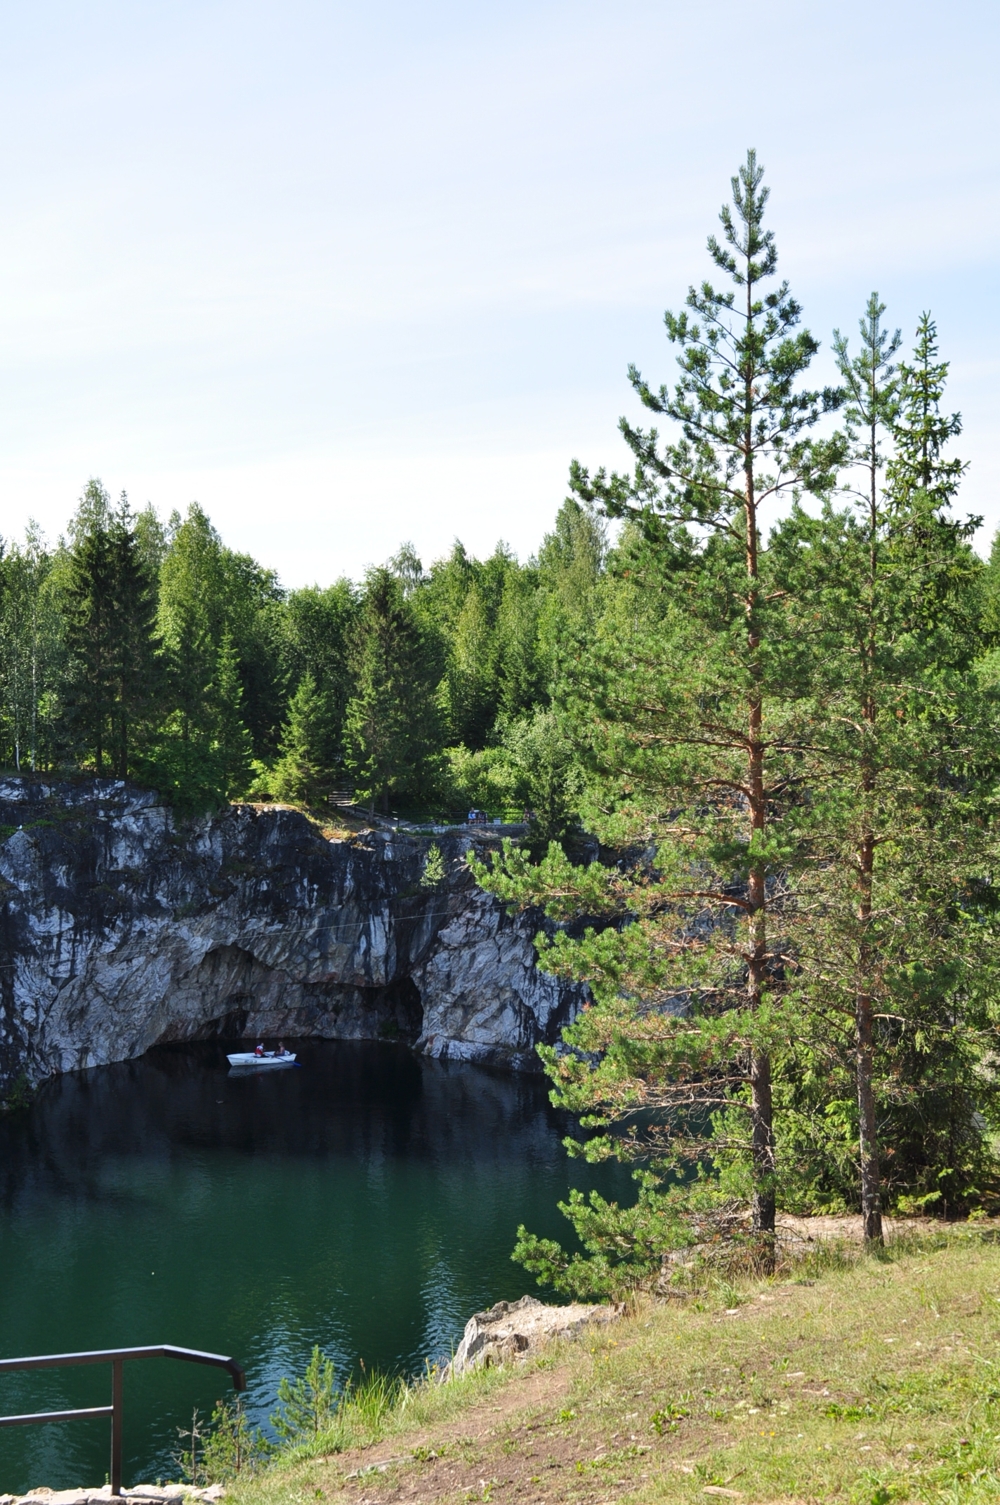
883 600
308 1405
872 405
692 714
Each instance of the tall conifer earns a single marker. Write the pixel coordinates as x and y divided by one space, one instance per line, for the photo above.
742 443
883 598
133 645
91 612
391 715
871 383
110 638
303 770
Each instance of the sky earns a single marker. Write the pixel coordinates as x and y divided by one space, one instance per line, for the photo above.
349 275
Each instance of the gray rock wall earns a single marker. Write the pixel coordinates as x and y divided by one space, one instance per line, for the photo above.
122 927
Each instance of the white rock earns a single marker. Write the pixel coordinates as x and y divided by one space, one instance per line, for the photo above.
516 1329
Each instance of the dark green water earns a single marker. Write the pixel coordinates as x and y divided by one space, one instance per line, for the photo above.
366 1202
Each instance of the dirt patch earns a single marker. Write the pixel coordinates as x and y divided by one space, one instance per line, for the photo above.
847 1227
525 1444
504 1447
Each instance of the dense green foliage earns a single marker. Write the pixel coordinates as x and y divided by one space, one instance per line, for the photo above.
157 653
787 746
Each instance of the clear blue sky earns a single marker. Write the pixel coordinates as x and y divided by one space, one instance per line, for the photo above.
348 274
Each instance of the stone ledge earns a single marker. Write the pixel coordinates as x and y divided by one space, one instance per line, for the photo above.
156 1494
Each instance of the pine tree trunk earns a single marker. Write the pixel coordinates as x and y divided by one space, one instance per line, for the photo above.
761 1110
763 1206
871 1194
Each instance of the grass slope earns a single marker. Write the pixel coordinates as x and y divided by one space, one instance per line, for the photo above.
876 1381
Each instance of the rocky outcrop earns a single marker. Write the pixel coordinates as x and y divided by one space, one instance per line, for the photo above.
517 1329
123 927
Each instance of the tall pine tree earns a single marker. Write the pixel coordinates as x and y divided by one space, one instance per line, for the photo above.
686 704
883 600
870 382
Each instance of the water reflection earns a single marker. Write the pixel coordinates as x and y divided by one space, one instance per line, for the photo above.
367 1201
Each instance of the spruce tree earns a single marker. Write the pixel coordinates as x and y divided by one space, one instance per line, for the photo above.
231 743
391 717
921 430
316 631
520 684
192 619
110 632
302 771
133 647
90 624
472 688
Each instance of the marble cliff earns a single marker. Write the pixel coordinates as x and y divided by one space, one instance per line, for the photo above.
124 927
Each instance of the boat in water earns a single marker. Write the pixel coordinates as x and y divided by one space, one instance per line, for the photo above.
266 1058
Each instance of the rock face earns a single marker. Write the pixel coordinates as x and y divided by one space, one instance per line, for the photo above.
515 1329
123 927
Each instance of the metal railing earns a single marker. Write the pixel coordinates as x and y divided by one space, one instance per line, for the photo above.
116 1358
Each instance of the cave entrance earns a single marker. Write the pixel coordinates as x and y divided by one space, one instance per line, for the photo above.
401 1011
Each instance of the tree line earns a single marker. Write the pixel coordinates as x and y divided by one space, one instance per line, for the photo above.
786 739
134 648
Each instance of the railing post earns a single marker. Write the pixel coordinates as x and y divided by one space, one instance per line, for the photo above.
117 1408
116 1357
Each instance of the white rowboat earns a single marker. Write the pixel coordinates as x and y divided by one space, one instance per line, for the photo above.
269 1058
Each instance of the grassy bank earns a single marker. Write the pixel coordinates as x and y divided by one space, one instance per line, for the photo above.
865 1381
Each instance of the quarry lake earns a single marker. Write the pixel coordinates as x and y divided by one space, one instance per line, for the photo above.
366 1200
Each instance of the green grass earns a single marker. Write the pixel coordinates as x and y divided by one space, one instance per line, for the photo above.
855 1379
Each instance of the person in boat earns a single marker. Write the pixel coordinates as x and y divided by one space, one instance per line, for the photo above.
281 1051
260 1048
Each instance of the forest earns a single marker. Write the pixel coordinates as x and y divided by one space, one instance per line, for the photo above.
749 693
154 652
